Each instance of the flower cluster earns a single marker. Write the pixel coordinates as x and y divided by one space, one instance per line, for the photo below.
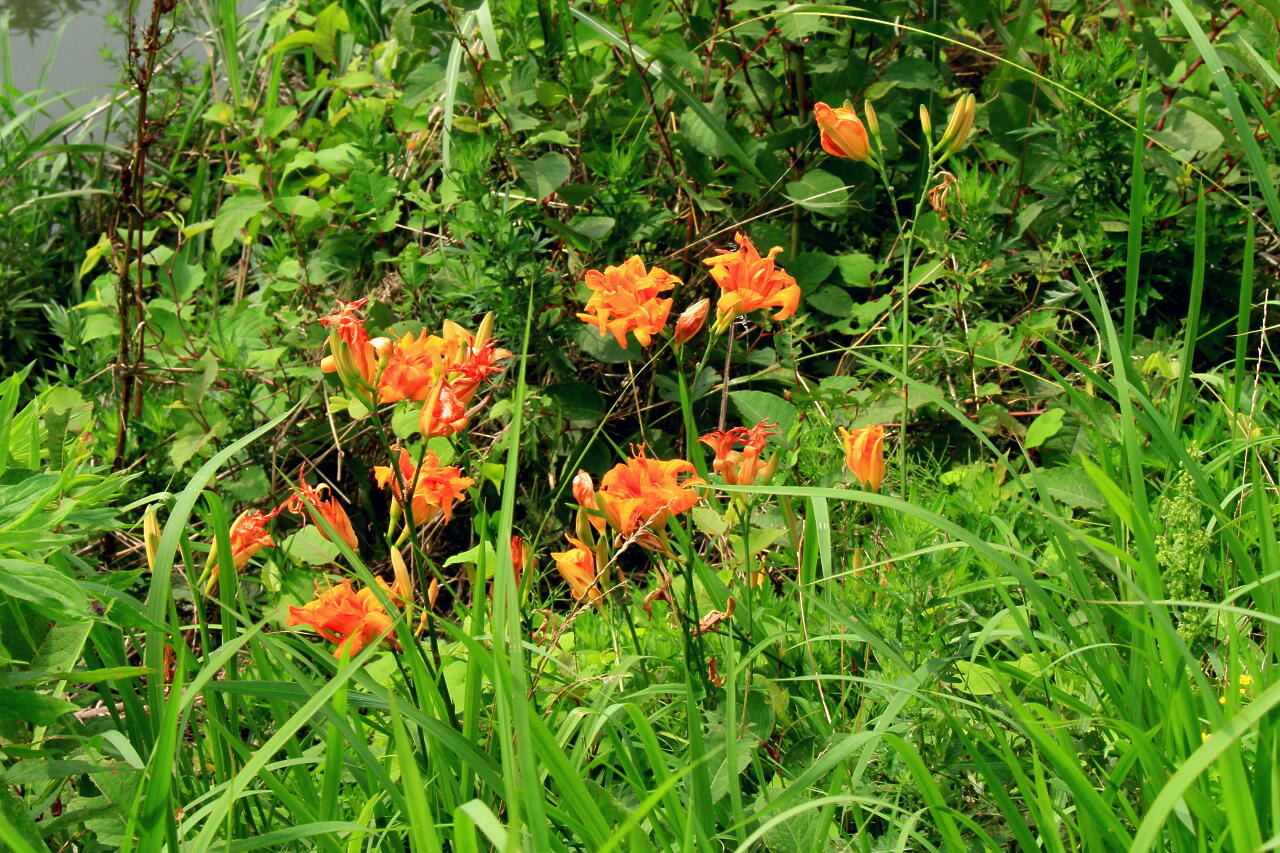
628 299
442 372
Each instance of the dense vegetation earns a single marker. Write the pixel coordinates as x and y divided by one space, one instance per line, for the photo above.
555 425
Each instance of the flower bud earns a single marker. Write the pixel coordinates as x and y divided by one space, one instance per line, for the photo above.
873 123
584 491
517 557
926 123
864 455
957 132
843 134
691 321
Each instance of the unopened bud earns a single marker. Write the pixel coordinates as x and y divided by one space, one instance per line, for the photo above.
926 123
691 321
961 122
873 123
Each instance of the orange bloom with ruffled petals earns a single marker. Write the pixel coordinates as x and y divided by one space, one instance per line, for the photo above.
414 366
740 467
626 299
248 536
643 492
434 487
749 282
344 616
317 502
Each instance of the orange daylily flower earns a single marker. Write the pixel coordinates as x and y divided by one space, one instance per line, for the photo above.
414 366
435 488
643 493
344 616
864 454
749 282
626 299
248 536
578 568
740 467
473 358
842 132
321 504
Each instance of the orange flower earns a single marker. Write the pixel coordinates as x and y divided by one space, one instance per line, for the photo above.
352 355
321 505
341 615
578 568
864 454
740 467
248 536
643 493
443 413
434 487
842 132
474 357
690 322
749 282
626 299
414 365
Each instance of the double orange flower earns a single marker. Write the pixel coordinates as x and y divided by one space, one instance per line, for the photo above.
433 488
350 618
627 299
639 495
749 282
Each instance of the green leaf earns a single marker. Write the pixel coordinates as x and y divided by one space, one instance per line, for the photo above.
1043 428
309 547
545 175
577 400
235 214
757 406
49 590
28 706
818 191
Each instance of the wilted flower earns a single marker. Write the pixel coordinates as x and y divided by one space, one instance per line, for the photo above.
443 413
864 454
690 322
344 616
740 467
317 503
643 493
578 568
434 487
842 132
749 282
626 299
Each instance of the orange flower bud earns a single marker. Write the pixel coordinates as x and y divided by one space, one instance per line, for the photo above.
864 454
843 134
691 321
517 557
